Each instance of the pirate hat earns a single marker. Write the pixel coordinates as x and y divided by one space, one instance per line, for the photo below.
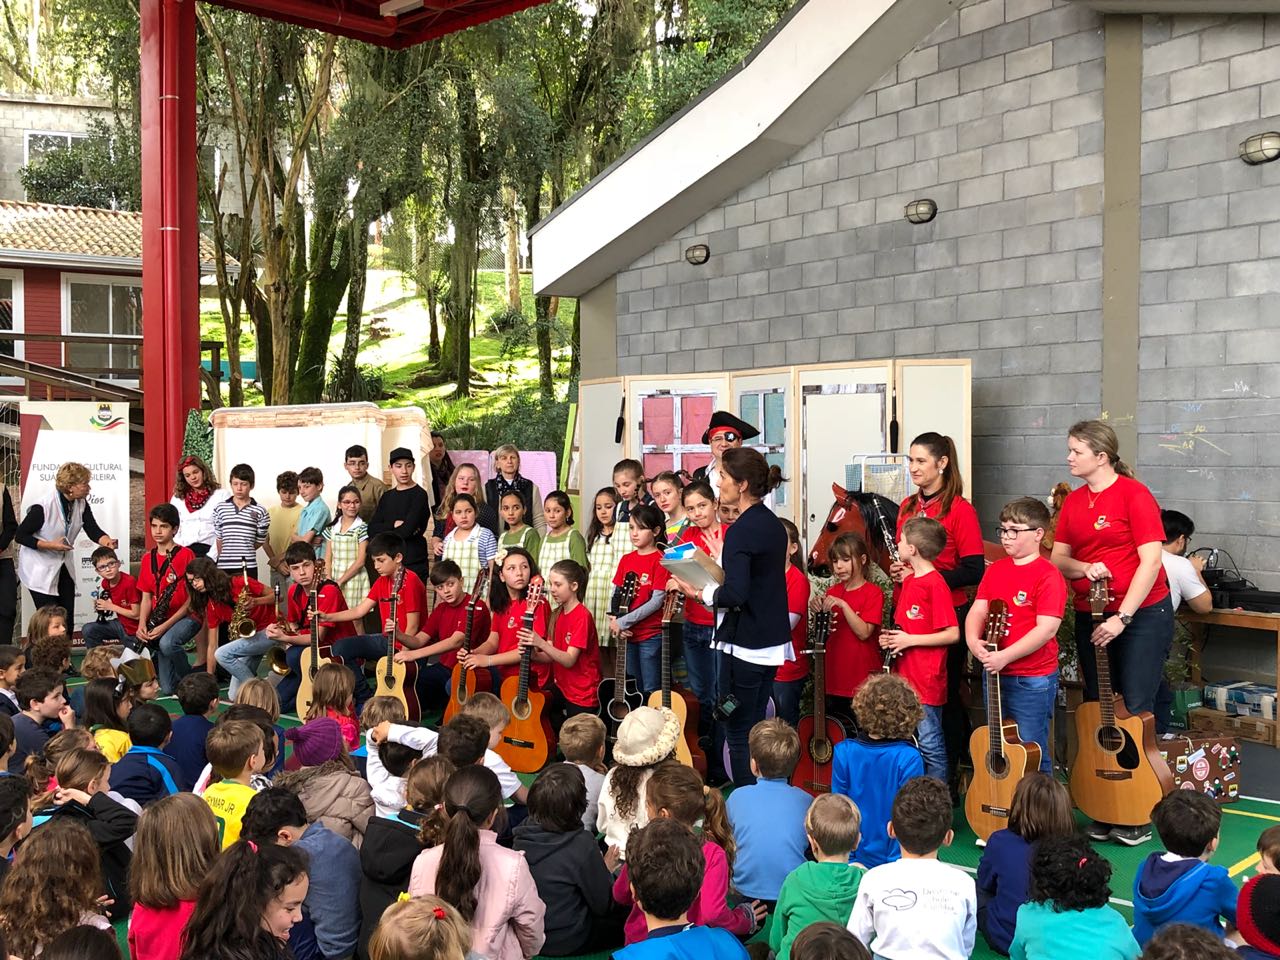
723 420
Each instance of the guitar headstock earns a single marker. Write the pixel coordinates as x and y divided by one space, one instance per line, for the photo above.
997 624
1099 596
822 623
630 583
480 590
672 606
535 594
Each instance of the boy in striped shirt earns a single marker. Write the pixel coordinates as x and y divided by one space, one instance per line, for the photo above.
240 524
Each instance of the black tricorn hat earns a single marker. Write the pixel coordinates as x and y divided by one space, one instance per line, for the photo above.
723 419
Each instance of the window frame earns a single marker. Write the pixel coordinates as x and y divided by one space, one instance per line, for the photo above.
100 279
28 134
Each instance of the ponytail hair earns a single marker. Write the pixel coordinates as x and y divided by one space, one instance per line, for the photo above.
939 446
424 792
471 796
679 790
1101 438
78 768
749 466
573 572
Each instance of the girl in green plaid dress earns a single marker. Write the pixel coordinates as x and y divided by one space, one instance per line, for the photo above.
605 547
468 544
348 538
518 532
562 542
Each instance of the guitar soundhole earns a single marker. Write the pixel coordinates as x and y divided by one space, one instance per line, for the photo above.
820 750
997 765
520 709
1116 741
618 710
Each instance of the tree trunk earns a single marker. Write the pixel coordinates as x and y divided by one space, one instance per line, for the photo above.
542 330
511 252
261 320
458 306
345 376
331 272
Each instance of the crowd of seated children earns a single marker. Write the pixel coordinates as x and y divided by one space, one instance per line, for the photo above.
326 782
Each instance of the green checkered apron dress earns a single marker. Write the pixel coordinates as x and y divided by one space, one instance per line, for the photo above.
343 549
605 554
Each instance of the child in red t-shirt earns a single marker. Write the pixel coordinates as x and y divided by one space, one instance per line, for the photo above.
215 599
118 598
853 650
386 550
163 623
641 627
926 626
789 681
573 650
1035 597
509 598
443 633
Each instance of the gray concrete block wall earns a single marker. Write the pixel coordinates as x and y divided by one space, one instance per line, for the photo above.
997 116
19 114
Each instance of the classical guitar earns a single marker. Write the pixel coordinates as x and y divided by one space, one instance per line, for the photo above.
1118 774
1000 758
312 660
818 732
680 702
619 695
394 679
527 743
462 683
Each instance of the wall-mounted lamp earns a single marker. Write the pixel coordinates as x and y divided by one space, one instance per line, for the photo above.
1260 148
697 254
921 211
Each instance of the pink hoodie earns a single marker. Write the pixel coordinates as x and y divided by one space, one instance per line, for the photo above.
509 913
711 909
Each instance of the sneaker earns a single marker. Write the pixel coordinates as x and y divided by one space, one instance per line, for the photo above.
1131 836
1097 830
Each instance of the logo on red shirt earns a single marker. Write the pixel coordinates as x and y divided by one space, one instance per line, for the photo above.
511 623
1101 523
1020 599
644 579
914 612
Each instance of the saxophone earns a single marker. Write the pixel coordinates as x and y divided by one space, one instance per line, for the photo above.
241 625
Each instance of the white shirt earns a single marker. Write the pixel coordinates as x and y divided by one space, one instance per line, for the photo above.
916 910
595 780
420 738
1184 582
762 656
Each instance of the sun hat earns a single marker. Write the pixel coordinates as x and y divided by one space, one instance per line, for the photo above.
316 741
646 735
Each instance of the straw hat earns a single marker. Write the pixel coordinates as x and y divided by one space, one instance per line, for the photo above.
647 735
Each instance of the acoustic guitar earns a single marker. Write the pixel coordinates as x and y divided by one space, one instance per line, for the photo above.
818 732
1118 774
312 661
680 702
1000 758
619 695
394 679
462 682
527 743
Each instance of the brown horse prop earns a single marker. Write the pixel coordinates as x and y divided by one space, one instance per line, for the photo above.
856 512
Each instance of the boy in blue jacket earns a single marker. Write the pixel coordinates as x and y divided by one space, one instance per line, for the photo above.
665 867
146 772
1181 886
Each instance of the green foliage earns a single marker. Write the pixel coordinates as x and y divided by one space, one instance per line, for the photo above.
197 439
101 170
368 383
526 419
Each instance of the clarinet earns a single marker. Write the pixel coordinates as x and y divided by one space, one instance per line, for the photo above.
160 612
104 615
892 546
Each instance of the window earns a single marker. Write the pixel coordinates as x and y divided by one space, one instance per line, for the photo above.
11 312
671 427
40 143
104 306
767 409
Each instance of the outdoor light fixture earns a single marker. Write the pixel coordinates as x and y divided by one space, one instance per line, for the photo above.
697 254
921 211
1260 148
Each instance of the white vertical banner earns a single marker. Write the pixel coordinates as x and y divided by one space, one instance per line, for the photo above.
97 436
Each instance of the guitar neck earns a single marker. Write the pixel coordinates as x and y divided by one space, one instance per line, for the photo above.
526 659
666 664
1106 695
819 653
995 712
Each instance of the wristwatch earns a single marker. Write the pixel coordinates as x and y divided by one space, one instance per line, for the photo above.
1125 618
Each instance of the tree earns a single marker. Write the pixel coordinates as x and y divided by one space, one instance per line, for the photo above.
100 170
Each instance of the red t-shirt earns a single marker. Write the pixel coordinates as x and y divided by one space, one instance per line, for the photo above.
1108 528
653 576
329 599
507 625
1029 590
850 660
124 594
924 606
447 619
413 599
797 602
216 613
695 612
578 683
157 573
964 535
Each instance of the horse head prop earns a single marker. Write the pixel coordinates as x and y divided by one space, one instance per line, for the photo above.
869 514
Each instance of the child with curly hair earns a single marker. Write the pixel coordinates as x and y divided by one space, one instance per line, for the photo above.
97 664
646 737
870 768
1070 887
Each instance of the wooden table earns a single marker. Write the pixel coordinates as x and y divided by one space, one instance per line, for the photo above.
1251 728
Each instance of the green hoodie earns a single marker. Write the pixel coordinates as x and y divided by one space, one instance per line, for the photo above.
811 893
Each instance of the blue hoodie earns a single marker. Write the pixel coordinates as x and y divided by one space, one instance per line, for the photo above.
1187 890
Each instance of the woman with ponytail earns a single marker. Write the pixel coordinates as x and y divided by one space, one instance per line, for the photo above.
490 886
935 470
247 904
1110 529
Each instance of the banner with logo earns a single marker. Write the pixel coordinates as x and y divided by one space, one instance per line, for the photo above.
96 435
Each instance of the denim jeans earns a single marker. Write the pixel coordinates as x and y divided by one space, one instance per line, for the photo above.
1029 702
701 662
932 743
110 631
751 683
644 662
172 663
241 659
287 689
786 700
357 651
1137 656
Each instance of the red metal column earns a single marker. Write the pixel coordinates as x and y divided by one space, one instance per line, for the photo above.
170 238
